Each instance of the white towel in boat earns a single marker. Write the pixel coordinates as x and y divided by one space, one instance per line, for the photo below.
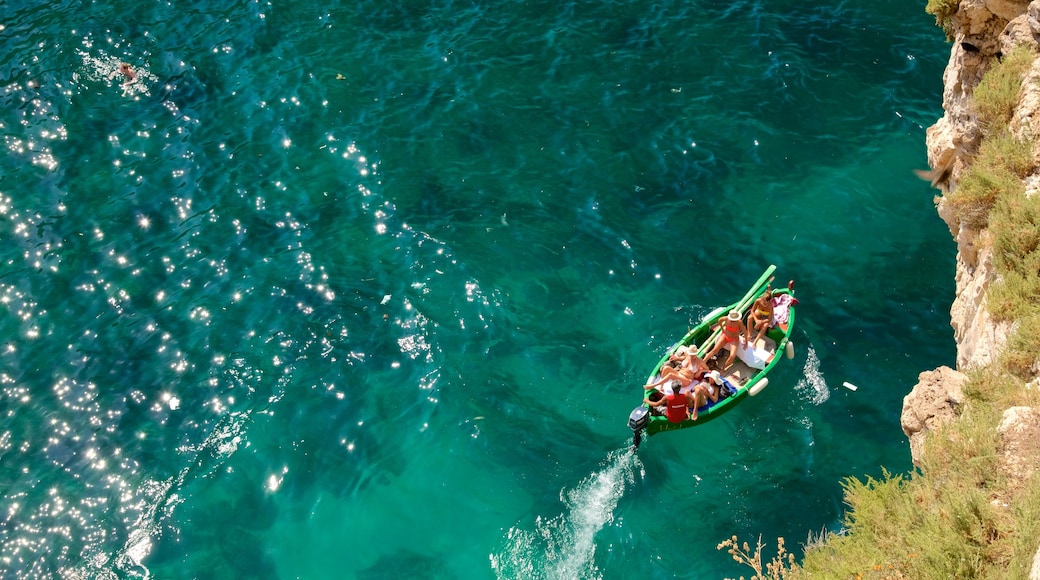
756 358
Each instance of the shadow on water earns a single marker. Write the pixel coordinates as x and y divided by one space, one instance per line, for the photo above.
404 564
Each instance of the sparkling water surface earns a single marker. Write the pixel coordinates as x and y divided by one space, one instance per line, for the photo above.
368 289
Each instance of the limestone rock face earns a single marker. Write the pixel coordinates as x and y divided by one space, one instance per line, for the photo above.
979 338
932 401
983 30
979 22
1002 9
954 139
1019 432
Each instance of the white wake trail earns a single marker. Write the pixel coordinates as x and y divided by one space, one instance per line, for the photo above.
564 547
812 384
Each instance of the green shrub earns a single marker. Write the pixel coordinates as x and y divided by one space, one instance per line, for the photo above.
1005 150
993 387
943 11
961 454
951 520
997 171
983 387
1026 511
1016 295
999 89
1015 226
1002 160
879 522
912 528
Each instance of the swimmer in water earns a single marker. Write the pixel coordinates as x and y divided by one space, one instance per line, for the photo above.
129 76
127 72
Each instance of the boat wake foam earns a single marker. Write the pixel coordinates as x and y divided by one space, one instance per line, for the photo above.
564 547
812 384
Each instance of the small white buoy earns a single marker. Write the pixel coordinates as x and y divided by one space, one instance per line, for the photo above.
849 386
757 387
789 349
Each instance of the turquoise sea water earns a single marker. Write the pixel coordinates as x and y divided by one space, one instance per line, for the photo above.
367 289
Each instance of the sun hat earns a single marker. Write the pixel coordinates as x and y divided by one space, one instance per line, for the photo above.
733 315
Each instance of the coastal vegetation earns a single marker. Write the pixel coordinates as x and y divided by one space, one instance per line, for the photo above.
943 11
1003 159
995 173
959 514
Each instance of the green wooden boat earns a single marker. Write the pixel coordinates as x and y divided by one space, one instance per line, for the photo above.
745 377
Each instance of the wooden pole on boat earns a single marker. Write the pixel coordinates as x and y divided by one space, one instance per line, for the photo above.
751 295
744 303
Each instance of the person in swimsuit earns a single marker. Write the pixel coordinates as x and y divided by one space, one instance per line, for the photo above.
733 334
761 317
669 373
684 366
128 74
701 393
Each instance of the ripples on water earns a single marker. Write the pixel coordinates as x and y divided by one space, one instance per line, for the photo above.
317 261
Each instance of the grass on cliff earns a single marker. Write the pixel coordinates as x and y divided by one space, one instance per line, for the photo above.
1015 295
1003 160
1000 89
996 172
1013 220
959 516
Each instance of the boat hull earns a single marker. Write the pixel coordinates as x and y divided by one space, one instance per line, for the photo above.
741 377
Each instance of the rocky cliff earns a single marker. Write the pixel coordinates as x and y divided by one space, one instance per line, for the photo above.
981 32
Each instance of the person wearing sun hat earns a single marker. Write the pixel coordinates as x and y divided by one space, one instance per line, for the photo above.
732 334
678 356
668 373
694 363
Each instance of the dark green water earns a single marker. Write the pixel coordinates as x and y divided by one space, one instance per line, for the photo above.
367 290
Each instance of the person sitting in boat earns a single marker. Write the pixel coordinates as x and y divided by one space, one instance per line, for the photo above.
732 335
700 394
678 405
695 363
683 366
656 401
760 318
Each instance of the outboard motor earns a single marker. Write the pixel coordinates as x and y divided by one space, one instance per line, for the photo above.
638 421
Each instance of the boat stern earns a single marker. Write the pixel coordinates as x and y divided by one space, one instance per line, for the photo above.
637 422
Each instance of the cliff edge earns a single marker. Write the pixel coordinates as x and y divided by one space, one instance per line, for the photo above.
982 32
